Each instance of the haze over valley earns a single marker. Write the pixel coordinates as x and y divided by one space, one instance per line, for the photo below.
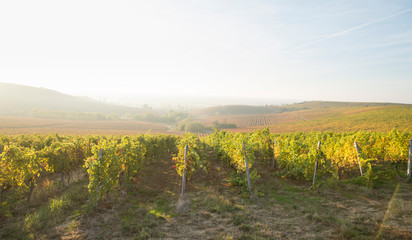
47 111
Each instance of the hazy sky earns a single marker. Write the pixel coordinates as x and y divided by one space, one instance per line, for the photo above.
311 50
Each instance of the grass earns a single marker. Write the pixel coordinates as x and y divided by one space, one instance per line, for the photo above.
42 220
215 203
141 218
141 224
49 215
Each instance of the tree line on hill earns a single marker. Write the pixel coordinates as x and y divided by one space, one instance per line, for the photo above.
61 114
188 125
171 117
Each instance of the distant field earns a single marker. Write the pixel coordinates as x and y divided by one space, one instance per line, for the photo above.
383 118
312 118
24 125
305 116
341 119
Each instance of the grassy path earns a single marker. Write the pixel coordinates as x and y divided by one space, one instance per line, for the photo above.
283 210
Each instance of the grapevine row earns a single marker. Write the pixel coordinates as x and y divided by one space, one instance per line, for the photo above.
112 162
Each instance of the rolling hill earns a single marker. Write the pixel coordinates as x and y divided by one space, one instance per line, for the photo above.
246 110
312 116
235 110
19 100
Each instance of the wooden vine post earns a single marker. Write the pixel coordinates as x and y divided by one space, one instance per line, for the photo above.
316 165
184 174
359 163
62 180
274 157
1 185
247 170
97 187
409 171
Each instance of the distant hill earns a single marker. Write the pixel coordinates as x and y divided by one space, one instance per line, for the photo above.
330 104
19 100
246 110
234 110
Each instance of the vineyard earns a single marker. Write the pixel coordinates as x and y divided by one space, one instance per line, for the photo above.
258 120
322 118
244 122
113 165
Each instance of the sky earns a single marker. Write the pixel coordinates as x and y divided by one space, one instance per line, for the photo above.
308 50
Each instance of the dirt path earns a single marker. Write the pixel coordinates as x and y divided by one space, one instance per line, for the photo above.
397 220
209 196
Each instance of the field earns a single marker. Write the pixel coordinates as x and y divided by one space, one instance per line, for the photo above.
305 117
283 210
24 125
337 119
